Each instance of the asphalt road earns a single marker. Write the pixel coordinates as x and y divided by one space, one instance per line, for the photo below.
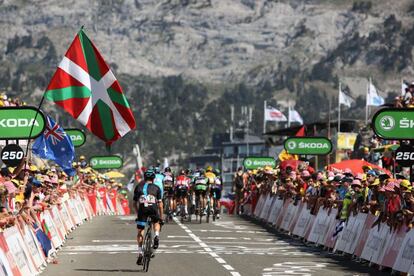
230 246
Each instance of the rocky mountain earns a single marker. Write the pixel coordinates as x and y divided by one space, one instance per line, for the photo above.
183 62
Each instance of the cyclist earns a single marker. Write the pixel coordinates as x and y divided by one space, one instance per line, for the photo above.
159 177
182 186
148 203
215 192
200 189
168 183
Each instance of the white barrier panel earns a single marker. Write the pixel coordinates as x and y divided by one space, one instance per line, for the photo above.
259 205
74 213
289 216
80 208
266 206
405 255
66 219
56 241
119 208
375 243
303 222
282 213
330 241
275 212
319 227
355 233
267 215
345 235
33 246
393 247
16 248
295 218
58 222
364 234
6 269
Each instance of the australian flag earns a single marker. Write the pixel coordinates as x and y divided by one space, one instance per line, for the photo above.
54 144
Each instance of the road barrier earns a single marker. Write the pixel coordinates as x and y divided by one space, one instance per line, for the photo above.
24 247
377 244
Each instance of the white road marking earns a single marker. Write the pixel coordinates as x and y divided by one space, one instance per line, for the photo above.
205 246
234 273
294 268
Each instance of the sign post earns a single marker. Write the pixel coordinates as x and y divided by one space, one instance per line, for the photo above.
308 145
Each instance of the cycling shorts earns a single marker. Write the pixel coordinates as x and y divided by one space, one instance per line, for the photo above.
180 193
145 213
200 193
215 192
168 191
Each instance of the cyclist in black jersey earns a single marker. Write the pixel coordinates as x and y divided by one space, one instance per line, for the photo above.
148 203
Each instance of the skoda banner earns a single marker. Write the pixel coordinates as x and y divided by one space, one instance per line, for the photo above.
252 163
16 123
308 145
77 136
106 162
394 124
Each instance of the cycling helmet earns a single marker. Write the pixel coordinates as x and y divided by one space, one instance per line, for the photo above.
149 175
209 169
157 170
182 172
167 169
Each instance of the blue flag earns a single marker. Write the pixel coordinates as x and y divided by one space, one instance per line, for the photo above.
54 144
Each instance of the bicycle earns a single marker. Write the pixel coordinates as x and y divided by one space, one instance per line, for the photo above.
168 211
147 245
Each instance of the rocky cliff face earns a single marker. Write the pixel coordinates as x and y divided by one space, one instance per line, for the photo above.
289 47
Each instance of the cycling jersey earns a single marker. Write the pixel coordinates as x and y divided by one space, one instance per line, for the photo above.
182 182
148 196
200 183
211 177
168 181
159 182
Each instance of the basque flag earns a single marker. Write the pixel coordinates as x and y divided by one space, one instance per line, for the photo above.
54 144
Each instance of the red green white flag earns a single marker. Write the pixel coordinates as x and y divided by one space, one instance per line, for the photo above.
85 87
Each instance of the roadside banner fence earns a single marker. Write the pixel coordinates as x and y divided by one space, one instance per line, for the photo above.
26 248
357 236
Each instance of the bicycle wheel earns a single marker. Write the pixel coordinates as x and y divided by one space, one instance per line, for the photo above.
182 213
147 248
167 209
208 211
201 209
214 209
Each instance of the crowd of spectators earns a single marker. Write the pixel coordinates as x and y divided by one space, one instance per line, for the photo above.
373 191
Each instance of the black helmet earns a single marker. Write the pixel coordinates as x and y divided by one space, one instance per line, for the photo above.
182 172
167 169
149 175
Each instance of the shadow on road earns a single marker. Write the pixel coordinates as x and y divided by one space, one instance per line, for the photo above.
108 270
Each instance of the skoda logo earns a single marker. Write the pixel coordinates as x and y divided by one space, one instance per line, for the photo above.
248 162
387 123
94 162
291 145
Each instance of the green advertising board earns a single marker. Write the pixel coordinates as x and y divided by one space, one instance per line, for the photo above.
16 122
308 145
106 162
77 136
394 124
252 163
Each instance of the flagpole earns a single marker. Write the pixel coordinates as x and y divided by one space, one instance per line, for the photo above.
31 128
339 107
288 124
366 104
264 117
